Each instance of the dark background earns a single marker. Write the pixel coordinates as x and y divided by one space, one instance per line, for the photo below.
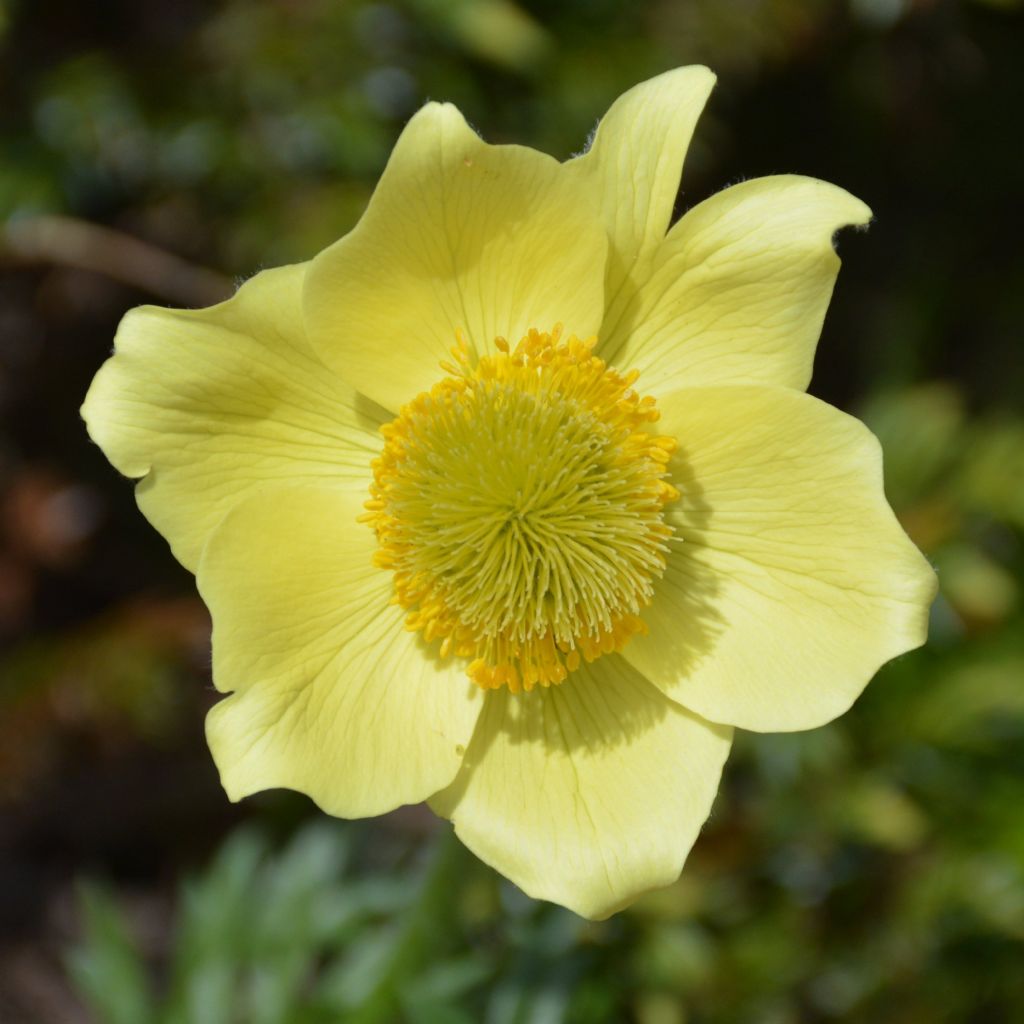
872 870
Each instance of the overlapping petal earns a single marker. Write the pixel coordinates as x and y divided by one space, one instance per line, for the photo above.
211 405
737 292
632 168
790 582
588 793
332 695
459 235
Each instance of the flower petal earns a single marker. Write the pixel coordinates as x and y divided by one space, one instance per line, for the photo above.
790 582
333 696
492 240
211 405
633 166
588 793
737 292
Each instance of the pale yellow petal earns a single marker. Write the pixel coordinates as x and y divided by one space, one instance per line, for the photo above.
492 240
737 292
332 695
589 793
633 166
789 582
211 405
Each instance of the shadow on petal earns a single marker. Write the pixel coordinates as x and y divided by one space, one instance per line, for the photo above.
683 619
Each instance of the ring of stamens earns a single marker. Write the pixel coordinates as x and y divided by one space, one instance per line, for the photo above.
520 505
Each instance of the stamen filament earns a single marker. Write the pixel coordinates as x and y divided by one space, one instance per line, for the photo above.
520 505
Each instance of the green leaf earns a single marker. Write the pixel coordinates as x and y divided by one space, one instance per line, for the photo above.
106 966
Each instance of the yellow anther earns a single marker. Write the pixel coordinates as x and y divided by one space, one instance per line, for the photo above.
519 504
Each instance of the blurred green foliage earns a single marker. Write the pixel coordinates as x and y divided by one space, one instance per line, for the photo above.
294 938
869 871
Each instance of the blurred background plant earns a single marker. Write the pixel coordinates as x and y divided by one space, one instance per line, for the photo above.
872 870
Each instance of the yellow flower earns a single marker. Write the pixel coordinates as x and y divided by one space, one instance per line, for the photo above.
514 502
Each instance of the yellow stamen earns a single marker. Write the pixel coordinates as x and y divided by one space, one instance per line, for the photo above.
520 504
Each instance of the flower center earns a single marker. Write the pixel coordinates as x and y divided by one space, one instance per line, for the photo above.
520 504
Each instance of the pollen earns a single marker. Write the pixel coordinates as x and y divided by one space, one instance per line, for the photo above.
520 505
